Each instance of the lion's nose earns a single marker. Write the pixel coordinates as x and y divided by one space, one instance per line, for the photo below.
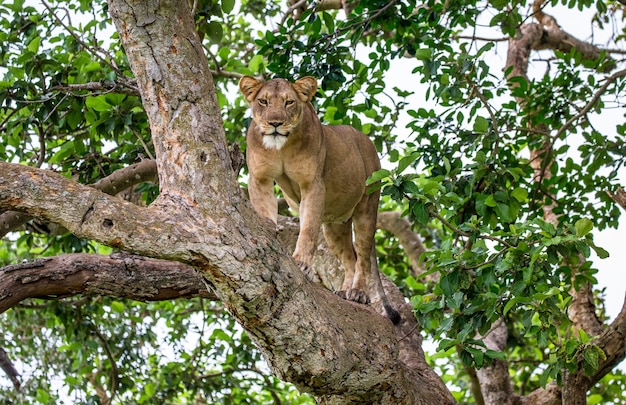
275 124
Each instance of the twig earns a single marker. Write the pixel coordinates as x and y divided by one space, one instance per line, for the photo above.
79 40
104 86
492 115
591 103
109 354
291 9
463 233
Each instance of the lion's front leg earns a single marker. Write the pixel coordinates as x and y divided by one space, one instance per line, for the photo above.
264 202
311 211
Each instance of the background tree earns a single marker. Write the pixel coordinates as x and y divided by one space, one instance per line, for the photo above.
500 176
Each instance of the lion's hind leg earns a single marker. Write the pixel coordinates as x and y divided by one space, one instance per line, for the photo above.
364 219
339 239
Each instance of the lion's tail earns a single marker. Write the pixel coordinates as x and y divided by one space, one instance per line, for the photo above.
392 314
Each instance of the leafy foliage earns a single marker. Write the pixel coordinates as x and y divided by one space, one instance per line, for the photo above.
459 166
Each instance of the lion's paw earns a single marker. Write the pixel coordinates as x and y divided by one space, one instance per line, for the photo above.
309 272
355 295
303 266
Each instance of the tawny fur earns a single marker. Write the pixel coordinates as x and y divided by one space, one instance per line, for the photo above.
322 172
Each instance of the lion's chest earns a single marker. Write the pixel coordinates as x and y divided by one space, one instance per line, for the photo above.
337 198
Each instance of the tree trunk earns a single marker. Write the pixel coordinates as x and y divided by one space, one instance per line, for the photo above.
339 351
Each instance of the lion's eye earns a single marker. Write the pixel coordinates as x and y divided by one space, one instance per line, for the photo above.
263 101
289 102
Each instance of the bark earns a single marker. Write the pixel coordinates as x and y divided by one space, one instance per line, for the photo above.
339 351
582 311
613 342
619 197
495 385
555 38
119 275
118 181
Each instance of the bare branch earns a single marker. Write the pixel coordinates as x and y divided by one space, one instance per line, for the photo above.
119 275
116 182
7 366
104 86
609 80
89 213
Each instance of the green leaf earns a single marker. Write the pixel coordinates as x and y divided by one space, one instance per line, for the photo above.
594 399
255 63
98 103
405 162
228 6
149 389
517 300
481 125
33 46
219 334
378 175
503 211
423 54
117 306
583 227
420 213
601 252
414 284
520 194
216 32
329 21
477 354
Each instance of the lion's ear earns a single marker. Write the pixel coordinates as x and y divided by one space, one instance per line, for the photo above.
249 86
306 88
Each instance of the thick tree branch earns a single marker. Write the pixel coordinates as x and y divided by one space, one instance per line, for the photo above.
557 39
91 214
144 171
582 311
613 342
495 383
399 226
119 275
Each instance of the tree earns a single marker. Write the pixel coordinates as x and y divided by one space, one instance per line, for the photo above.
487 178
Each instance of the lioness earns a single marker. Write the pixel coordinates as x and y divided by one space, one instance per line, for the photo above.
322 172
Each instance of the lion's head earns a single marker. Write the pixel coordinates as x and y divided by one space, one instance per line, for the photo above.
277 105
